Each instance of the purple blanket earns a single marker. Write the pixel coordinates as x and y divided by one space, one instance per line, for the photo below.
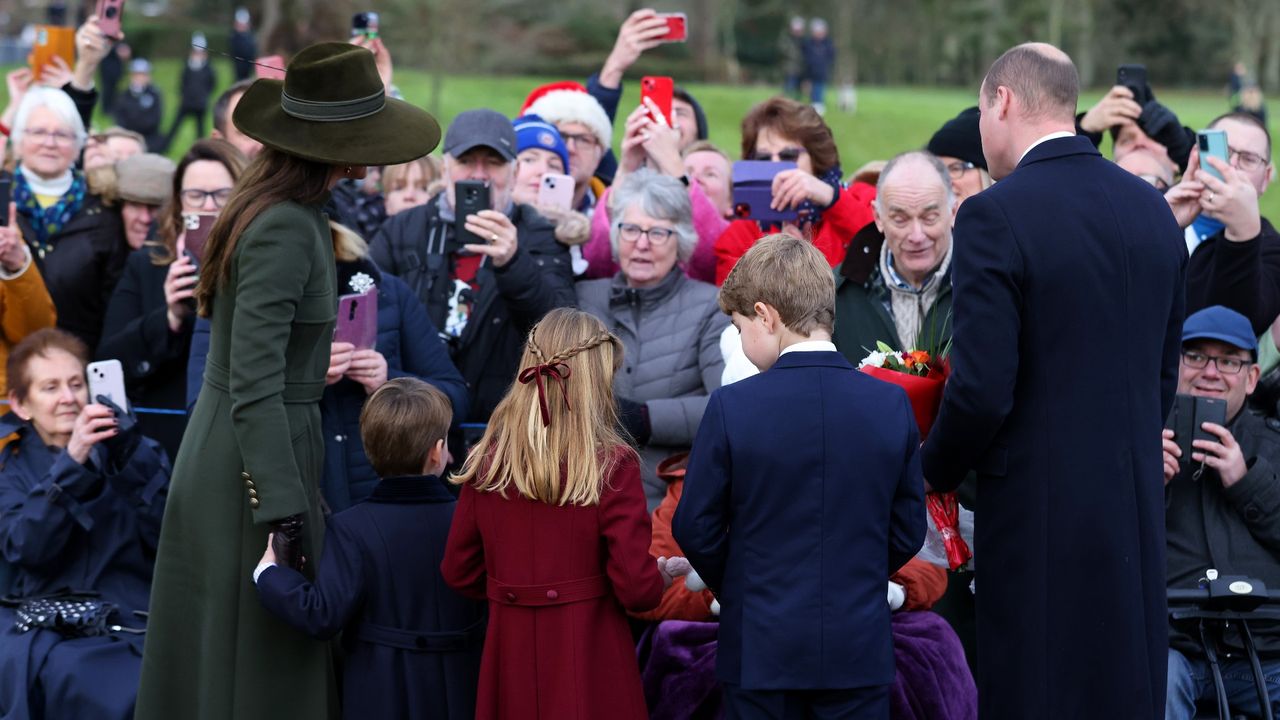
678 662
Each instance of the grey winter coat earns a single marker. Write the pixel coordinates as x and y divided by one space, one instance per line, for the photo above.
671 333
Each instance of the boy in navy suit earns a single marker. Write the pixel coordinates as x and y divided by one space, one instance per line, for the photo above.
803 494
412 645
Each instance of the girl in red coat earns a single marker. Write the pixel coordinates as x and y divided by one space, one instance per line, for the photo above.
556 536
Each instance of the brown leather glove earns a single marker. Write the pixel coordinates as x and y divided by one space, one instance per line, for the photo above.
286 541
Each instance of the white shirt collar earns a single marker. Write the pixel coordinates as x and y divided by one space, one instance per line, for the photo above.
810 346
1046 138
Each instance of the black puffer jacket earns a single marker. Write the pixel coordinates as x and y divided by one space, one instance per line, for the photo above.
420 247
81 270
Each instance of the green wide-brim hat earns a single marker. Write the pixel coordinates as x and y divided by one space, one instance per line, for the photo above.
331 107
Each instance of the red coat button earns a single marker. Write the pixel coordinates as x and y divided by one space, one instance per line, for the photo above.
552 594
511 597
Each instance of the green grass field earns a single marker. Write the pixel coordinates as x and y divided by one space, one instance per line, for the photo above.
888 119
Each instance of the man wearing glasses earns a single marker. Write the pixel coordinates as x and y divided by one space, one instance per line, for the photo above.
1222 509
1235 252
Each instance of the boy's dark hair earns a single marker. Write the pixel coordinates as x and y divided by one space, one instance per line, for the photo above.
789 274
400 424
220 118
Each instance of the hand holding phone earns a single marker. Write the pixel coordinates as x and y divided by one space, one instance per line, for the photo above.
106 378
358 320
753 191
52 42
469 198
1134 77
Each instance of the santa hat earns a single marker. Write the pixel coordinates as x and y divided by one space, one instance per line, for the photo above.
561 102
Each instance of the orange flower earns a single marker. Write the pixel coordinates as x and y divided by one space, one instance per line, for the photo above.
919 356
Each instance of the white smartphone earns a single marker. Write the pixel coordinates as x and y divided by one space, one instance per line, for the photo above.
106 377
556 191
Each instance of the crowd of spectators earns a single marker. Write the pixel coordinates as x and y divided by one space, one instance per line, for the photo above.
94 264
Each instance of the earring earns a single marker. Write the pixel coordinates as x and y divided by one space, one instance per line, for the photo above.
347 171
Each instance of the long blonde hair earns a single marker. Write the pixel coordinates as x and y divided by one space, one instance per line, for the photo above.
566 457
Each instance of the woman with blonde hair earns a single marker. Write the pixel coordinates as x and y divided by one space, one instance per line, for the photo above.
551 527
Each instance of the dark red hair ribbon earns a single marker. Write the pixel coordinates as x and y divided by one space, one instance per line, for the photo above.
557 371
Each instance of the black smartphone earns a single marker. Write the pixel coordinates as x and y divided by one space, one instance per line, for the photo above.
5 184
1187 419
365 23
469 198
1134 77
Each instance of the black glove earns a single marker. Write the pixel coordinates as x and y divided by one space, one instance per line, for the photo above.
121 446
634 417
286 541
1161 125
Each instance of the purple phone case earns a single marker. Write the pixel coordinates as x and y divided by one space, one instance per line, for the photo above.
358 320
753 191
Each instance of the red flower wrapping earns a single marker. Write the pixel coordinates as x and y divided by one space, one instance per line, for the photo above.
925 395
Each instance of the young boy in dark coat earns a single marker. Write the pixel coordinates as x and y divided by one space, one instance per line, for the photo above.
802 496
412 645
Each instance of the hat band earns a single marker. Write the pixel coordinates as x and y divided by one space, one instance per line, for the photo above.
336 111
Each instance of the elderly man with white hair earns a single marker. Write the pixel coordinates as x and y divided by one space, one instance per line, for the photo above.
669 324
894 285
77 243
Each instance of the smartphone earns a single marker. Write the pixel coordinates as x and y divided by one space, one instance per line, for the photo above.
51 42
365 23
270 67
106 377
753 191
1212 410
197 226
358 319
1187 419
469 198
1134 77
1213 143
109 13
659 90
556 191
5 183
677 27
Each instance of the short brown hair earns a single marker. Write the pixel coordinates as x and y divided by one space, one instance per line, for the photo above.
789 274
705 146
39 344
395 174
400 423
1247 119
170 218
1042 77
798 121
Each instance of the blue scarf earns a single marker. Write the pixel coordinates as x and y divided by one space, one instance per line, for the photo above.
1206 227
48 222
811 214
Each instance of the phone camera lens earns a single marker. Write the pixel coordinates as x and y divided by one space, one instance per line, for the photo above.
111 12
742 210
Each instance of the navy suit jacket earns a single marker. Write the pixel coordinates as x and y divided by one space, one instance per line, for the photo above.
1068 304
802 495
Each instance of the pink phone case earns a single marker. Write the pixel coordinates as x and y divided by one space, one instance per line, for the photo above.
358 320
556 191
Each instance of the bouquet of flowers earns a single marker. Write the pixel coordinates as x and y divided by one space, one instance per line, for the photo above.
923 376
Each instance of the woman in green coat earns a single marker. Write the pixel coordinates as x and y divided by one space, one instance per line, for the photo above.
252 457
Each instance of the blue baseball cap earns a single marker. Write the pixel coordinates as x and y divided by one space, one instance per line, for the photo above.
534 132
1222 324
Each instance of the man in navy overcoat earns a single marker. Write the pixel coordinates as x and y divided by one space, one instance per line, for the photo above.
1068 284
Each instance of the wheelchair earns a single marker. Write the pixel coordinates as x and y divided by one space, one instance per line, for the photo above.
1217 604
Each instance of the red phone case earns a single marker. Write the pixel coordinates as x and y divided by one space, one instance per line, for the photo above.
658 89
677 27
110 14
197 226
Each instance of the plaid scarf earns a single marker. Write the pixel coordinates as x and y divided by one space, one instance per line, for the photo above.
48 222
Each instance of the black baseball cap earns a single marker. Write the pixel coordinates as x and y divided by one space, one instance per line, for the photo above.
481 128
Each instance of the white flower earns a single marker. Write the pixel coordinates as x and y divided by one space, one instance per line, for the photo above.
874 359
361 283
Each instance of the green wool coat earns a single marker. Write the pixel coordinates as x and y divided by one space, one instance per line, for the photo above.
252 453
